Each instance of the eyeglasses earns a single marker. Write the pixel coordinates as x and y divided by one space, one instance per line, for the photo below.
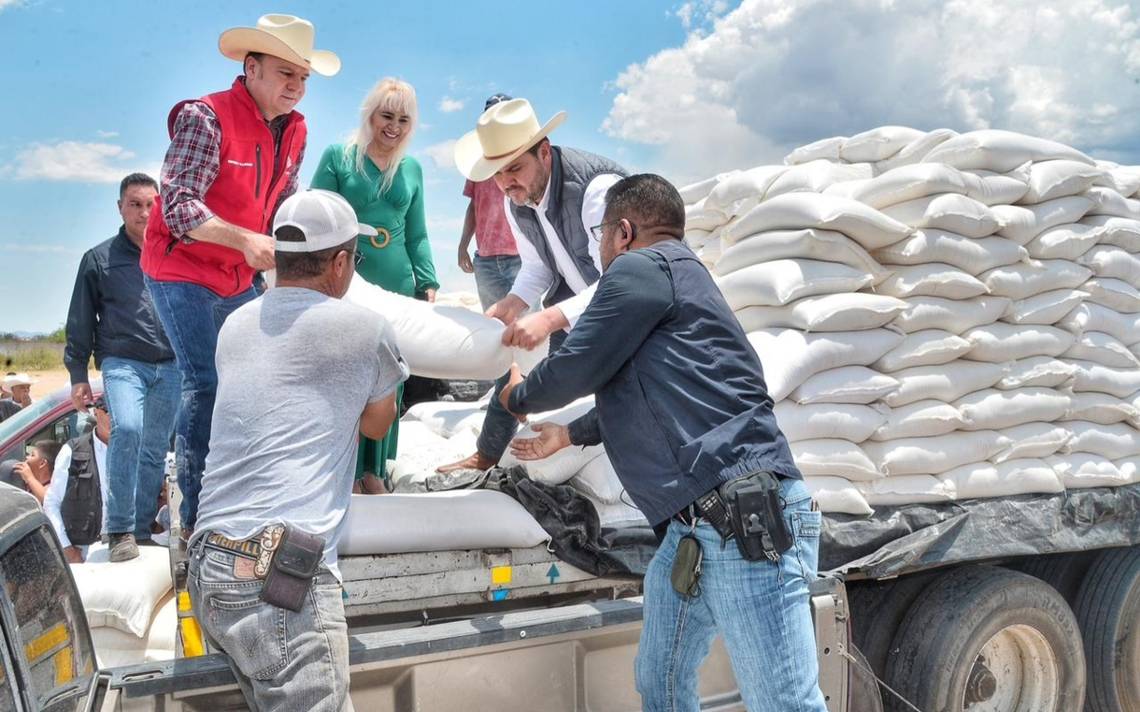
597 230
357 257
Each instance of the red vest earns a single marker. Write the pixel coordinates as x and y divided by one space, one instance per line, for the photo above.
249 184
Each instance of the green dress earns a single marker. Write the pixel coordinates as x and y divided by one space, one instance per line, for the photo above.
399 260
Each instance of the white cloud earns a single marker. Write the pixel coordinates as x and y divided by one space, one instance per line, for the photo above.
442 154
74 161
5 4
106 134
775 74
449 106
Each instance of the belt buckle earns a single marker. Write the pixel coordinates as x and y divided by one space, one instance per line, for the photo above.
386 237
269 538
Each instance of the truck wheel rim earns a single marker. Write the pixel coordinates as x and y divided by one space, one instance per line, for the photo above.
1015 671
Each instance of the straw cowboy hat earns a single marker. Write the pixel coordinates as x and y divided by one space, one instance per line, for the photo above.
284 36
503 133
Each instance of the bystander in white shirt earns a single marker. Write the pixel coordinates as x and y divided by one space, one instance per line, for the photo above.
53 498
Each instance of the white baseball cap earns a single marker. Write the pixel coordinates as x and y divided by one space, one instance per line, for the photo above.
324 218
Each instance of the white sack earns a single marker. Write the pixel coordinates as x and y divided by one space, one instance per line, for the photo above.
907 489
1058 178
948 211
831 312
934 455
1094 317
1001 342
565 463
1114 294
1014 477
1129 469
991 409
443 341
946 382
1022 223
1045 308
783 281
1114 262
1122 232
815 177
928 347
902 184
696 239
1102 348
1119 382
999 188
921 419
934 279
1032 440
848 384
996 150
1109 202
824 245
421 451
1112 441
459 519
599 481
1023 280
950 315
698 217
971 255
878 144
795 211
1064 242
790 357
1037 371
700 190
1123 179
739 192
1100 408
841 458
444 418
916 150
619 514
826 420
825 148
1084 470
122 595
835 495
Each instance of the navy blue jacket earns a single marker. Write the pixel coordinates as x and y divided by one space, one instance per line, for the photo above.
681 403
111 313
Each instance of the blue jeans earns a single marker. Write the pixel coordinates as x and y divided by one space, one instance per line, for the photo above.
142 399
283 660
761 608
192 316
494 276
499 426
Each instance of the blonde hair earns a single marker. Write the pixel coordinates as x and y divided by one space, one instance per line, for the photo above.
398 97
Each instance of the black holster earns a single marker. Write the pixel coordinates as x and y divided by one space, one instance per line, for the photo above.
295 564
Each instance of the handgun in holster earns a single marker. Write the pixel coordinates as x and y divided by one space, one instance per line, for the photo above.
295 564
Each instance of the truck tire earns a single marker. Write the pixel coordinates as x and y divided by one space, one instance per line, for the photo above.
987 636
862 688
1108 611
1064 572
877 609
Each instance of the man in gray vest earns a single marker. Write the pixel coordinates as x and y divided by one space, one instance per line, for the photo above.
554 195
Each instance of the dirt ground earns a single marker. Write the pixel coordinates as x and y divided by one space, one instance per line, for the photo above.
48 381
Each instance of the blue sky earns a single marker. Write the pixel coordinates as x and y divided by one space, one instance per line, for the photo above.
686 88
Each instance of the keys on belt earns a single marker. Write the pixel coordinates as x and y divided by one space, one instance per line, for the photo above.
259 547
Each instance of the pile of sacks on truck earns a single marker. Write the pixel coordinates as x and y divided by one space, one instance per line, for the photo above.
940 316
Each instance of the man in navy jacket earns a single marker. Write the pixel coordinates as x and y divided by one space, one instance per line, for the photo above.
682 408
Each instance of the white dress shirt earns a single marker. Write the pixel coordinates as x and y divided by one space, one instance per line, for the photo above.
534 277
57 488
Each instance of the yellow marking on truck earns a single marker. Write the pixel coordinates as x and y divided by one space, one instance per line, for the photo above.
64 667
184 605
501 575
44 642
192 642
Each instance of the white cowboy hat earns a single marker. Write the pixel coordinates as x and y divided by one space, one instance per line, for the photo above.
284 36
19 379
503 133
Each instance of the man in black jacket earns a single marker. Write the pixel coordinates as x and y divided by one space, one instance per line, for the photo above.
112 317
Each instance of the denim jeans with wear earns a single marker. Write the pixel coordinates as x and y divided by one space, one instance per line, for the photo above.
283 660
192 316
760 607
142 399
494 277
499 426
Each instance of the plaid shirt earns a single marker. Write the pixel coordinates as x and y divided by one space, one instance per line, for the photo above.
192 163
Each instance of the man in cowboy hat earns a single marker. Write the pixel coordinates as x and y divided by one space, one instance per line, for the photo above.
234 157
554 195
20 386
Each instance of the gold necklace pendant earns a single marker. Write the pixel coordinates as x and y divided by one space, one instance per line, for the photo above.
380 244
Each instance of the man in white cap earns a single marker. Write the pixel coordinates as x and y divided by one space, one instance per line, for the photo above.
300 373
234 156
554 195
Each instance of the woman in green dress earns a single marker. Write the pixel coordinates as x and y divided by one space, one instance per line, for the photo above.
386 189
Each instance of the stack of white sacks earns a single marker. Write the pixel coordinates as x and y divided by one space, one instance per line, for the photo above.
939 316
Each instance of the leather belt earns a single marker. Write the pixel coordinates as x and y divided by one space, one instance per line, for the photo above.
259 547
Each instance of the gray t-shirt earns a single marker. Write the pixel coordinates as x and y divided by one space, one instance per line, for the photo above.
296 369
